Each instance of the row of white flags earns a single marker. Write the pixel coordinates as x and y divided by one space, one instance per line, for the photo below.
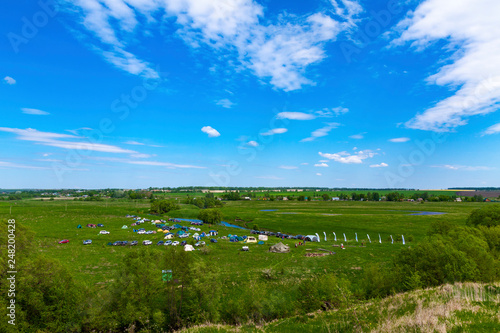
369 239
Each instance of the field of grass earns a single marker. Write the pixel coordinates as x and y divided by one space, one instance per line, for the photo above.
52 221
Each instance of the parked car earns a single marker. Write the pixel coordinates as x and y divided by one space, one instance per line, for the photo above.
159 243
147 242
141 232
202 243
183 243
64 241
117 243
184 236
100 225
134 243
87 242
169 242
124 243
104 232
175 243
213 240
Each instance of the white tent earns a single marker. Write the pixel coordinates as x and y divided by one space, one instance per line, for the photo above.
262 237
188 248
312 238
250 239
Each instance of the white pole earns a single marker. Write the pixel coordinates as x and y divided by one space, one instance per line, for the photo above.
368 238
379 239
335 236
356 236
403 239
392 240
345 239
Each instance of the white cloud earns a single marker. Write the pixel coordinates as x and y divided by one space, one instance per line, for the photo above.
279 52
399 140
212 132
274 131
54 140
319 174
347 158
4 164
131 142
225 103
9 80
348 10
471 28
463 167
320 132
321 165
253 143
381 165
295 116
494 129
304 163
358 136
288 167
34 112
330 112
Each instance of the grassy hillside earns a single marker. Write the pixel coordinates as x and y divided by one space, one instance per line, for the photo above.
468 307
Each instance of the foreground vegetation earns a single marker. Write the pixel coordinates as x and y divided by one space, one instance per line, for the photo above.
71 287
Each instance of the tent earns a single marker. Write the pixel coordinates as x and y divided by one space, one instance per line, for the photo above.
79 226
169 236
279 248
251 239
213 233
188 248
125 227
262 237
311 238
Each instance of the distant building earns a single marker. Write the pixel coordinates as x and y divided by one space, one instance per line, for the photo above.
335 199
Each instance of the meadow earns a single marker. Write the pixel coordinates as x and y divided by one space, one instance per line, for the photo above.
73 287
52 221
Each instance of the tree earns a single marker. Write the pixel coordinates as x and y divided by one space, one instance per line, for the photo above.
163 206
488 216
210 216
325 197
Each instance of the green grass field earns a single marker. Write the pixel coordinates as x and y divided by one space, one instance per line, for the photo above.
52 221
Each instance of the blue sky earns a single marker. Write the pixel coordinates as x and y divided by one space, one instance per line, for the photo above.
340 93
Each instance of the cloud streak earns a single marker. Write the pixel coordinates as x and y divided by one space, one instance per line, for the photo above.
56 140
34 112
